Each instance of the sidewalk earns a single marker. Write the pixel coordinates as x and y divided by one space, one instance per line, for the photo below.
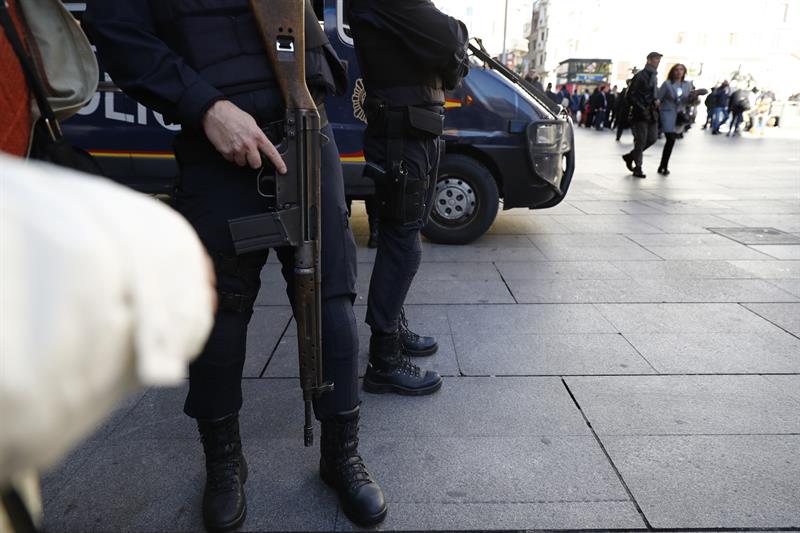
611 363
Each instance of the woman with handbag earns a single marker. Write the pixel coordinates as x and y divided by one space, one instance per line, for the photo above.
674 95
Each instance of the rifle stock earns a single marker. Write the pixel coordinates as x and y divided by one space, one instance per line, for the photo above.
296 218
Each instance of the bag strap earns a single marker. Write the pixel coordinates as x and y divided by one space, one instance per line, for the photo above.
32 76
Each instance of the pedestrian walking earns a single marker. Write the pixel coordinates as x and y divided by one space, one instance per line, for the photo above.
622 112
760 114
611 107
710 103
644 121
599 103
720 99
739 103
673 96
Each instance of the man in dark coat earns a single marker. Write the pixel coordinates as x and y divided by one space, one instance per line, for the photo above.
224 93
409 53
644 120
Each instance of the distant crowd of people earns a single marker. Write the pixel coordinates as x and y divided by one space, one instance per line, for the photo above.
652 111
727 105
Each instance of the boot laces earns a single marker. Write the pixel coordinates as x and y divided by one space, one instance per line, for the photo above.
223 474
404 330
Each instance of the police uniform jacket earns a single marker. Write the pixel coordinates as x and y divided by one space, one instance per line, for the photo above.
180 56
409 51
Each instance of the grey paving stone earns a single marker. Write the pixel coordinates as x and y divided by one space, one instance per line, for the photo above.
459 292
770 269
712 481
684 405
527 319
558 355
607 514
707 253
718 290
512 472
683 318
789 385
477 407
606 224
586 291
682 223
581 240
757 235
783 222
723 353
163 484
448 254
566 270
519 223
786 315
682 269
631 252
263 333
272 293
455 272
610 207
779 251
792 286
681 239
285 363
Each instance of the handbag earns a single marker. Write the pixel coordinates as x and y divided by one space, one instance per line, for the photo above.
48 142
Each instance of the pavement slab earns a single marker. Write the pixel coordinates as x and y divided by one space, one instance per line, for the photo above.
719 353
687 269
684 405
556 355
779 251
266 328
683 318
478 408
726 481
770 269
561 270
784 315
512 478
527 319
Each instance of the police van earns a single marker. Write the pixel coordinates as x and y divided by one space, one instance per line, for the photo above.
505 141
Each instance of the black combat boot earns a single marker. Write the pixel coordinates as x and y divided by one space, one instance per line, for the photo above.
413 344
341 467
390 370
374 234
224 505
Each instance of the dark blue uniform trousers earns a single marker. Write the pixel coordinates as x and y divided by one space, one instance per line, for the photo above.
399 249
212 191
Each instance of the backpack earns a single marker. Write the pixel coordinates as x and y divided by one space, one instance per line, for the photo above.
740 101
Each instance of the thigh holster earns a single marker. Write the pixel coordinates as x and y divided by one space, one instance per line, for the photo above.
401 189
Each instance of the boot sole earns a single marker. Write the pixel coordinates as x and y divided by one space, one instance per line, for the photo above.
365 522
420 353
383 388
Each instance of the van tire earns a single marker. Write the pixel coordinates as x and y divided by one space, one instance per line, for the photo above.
473 192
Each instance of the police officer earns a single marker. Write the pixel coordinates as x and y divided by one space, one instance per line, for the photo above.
203 65
409 53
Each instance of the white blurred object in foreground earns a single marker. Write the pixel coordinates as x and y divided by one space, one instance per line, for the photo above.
102 290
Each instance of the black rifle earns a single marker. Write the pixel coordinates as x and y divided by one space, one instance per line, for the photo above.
295 221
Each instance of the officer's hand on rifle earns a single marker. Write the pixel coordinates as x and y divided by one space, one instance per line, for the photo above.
238 138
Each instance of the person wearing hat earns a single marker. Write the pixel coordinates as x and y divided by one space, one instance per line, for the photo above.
644 122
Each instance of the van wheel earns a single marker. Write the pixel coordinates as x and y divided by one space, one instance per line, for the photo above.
465 202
